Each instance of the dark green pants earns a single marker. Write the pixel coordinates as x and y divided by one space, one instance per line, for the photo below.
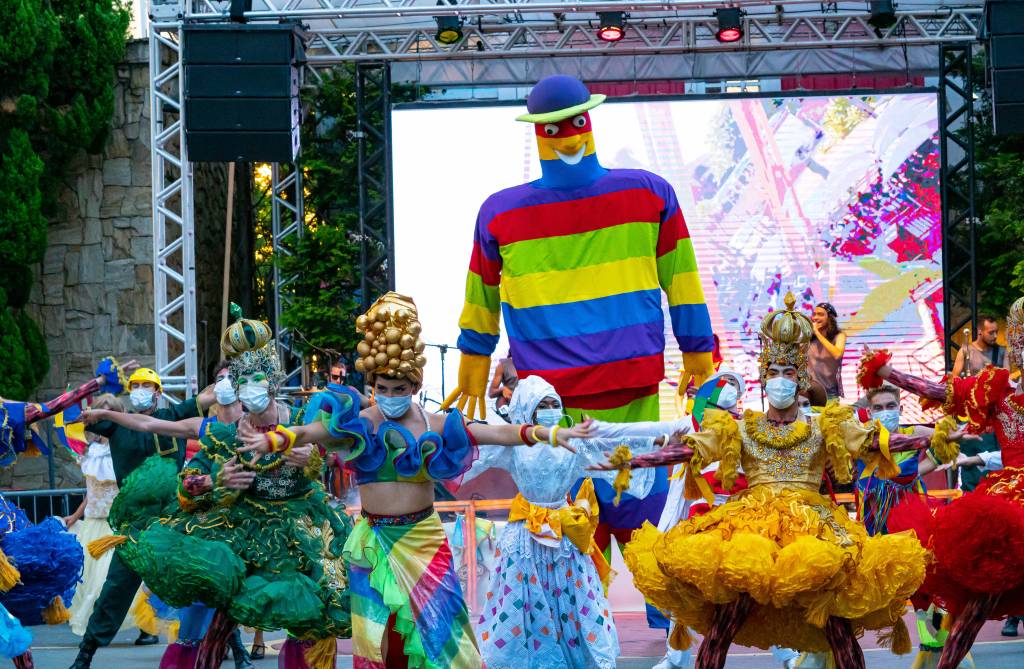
112 606
970 477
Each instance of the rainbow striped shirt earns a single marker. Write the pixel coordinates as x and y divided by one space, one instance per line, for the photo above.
578 274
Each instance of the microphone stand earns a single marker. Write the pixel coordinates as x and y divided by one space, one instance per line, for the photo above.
444 350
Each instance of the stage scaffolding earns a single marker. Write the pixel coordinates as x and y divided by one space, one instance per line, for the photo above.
503 43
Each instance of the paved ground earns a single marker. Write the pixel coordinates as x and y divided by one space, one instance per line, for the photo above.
55 648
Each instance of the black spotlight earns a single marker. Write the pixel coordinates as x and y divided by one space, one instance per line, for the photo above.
883 14
611 26
730 24
449 28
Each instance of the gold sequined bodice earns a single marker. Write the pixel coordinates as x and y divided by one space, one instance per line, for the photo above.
799 466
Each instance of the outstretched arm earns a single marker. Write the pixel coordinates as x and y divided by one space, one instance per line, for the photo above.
184 429
670 455
34 413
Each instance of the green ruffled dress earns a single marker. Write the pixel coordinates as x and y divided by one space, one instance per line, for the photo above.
269 556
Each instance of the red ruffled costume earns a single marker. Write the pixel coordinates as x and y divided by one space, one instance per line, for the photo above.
978 540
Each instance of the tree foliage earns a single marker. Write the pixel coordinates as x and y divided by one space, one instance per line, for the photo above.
57 60
326 259
999 203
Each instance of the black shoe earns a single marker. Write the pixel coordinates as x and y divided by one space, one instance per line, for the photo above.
146 639
258 652
1010 626
84 658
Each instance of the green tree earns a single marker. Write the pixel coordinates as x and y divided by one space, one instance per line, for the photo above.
57 60
999 203
326 259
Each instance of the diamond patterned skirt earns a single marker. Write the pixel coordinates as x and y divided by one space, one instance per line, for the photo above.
545 608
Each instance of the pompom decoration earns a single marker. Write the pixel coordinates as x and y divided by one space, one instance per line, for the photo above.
114 380
870 363
620 460
945 450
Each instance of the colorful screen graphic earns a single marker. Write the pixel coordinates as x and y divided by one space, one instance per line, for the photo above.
833 197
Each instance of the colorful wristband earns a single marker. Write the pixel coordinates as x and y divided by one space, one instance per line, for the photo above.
281 439
553 437
524 435
534 436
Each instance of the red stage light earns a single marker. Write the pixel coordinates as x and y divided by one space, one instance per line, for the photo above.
612 26
729 35
610 33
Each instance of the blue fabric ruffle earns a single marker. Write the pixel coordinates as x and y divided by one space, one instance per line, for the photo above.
113 377
14 639
50 560
15 436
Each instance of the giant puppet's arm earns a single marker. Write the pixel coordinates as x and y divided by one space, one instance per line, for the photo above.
679 278
479 323
110 377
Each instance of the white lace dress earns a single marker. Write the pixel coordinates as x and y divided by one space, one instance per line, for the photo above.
545 606
100 491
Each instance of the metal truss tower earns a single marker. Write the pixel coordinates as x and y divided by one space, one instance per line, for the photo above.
375 34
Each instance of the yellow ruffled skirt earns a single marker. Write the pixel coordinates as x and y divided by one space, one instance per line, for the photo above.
799 557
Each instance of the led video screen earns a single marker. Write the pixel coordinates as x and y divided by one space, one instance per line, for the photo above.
835 197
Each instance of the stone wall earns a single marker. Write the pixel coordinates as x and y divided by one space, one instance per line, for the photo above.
93 294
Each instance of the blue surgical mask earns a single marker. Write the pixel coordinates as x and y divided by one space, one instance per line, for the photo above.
394 407
141 398
549 417
225 392
889 418
781 392
255 398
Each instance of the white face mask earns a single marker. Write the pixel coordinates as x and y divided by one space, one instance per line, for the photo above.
141 398
255 398
781 392
225 391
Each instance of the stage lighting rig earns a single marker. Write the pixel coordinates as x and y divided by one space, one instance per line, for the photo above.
730 24
611 26
883 14
449 28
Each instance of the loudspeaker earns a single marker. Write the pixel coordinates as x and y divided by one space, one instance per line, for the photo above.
1004 29
242 91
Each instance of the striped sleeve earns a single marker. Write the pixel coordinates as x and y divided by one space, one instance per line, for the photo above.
481 311
678 276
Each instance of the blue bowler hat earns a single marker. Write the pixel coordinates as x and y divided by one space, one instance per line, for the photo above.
557 98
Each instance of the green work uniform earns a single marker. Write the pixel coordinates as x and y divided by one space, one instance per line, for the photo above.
128 450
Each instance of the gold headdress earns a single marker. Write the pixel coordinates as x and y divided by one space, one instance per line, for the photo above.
785 336
1015 334
248 345
391 345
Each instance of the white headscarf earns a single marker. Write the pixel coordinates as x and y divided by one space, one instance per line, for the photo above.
527 396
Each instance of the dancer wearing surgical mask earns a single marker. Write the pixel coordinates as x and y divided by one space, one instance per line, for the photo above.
254 537
778 564
128 450
194 619
545 607
407 605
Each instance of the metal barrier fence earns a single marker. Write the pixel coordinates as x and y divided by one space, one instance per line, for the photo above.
40 504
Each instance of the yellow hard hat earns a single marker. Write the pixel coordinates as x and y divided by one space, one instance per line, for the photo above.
144 374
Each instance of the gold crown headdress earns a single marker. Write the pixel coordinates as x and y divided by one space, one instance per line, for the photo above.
1015 334
785 336
391 345
248 345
